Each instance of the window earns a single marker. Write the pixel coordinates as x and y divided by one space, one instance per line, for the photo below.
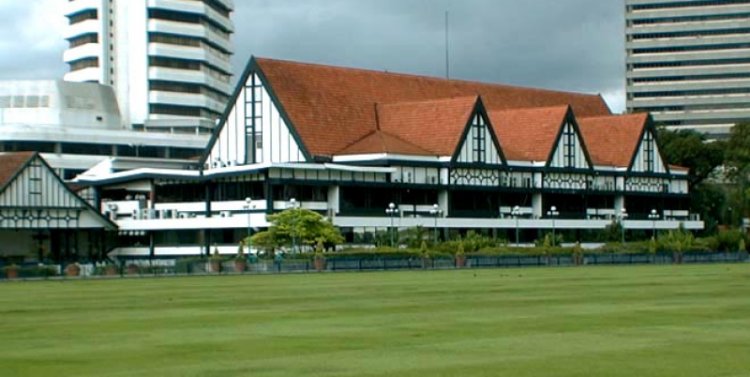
648 152
569 140
479 140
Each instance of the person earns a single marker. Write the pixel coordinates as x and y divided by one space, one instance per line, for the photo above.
277 259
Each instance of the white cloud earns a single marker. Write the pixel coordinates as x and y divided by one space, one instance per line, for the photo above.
45 25
616 100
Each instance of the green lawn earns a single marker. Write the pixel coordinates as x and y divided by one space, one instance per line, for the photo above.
619 321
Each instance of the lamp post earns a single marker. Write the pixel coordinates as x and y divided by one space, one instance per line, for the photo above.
293 205
623 216
553 213
248 207
516 213
653 216
436 212
391 211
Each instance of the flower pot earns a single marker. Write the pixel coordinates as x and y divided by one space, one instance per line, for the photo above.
110 271
11 272
240 265
133 269
320 264
215 266
460 261
72 270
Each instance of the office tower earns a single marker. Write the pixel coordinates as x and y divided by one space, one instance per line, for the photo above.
688 62
167 60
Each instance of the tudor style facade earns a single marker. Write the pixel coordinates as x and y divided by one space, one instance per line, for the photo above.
41 218
347 142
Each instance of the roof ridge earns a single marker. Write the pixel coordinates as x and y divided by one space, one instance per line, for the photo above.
369 134
405 141
427 77
446 99
556 107
643 115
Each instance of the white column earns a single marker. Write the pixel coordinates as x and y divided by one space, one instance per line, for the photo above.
537 205
333 200
443 202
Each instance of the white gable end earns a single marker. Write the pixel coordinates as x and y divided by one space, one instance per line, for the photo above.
648 158
36 186
254 131
37 199
478 147
569 150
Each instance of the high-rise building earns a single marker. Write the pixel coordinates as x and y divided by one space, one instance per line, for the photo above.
688 62
168 60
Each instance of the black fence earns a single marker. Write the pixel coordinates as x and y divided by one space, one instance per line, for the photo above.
135 268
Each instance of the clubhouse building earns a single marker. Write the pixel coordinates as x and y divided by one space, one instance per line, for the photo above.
371 150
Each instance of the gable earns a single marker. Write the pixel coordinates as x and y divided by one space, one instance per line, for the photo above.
479 144
36 198
528 134
569 152
648 156
612 140
254 130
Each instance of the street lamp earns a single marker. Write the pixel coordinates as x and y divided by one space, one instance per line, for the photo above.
391 211
293 205
653 216
248 207
435 211
623 216
553 213
516 213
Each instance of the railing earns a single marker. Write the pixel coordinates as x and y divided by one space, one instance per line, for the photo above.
146 268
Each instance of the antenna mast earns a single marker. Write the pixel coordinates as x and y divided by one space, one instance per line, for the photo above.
447 49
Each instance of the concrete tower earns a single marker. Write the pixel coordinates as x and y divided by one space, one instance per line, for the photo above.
167 60
688 62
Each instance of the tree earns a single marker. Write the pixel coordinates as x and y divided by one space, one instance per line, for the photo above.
300 227
737 163
690 149
738 151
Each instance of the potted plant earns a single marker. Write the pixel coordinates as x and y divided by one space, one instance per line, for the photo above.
240 262
133 269
319 260
110 270
426 261
11 271
215 261
577 254
73 270
460 255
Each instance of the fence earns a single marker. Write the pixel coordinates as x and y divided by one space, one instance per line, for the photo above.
184 267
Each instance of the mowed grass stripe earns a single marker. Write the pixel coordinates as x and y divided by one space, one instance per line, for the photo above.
604 321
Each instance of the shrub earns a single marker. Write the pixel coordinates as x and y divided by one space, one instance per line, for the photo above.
728 240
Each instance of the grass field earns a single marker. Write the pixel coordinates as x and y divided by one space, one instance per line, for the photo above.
619 321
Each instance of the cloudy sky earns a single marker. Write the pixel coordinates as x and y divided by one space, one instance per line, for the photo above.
572 45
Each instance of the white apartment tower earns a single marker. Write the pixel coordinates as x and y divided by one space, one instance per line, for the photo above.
688 62
167 60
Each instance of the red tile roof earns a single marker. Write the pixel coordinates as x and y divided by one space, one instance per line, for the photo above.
435 125
612 140
382 142
528 134
332 108
11 164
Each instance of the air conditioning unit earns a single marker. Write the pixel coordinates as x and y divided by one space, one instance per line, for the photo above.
183 215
